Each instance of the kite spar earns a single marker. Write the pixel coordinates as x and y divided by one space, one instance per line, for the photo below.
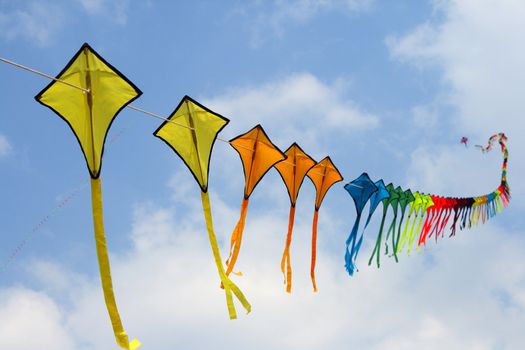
192 137
89 111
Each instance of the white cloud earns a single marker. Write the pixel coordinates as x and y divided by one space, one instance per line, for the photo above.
32 320
40 22
299 106
115 10
36 22
465 293
5 146
477 45
282 14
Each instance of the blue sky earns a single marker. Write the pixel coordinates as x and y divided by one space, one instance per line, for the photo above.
383 87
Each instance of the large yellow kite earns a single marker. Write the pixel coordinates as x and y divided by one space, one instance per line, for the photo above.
89 114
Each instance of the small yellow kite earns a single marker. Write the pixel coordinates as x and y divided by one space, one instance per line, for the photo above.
191 131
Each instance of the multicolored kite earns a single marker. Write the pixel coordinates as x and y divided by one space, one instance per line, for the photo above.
191 131
324 175
293 171
258 155
89 114
430 214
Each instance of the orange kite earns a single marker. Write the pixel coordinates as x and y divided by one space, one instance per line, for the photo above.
292 170
258 155
324 174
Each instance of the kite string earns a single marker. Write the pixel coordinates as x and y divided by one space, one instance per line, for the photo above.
128 106
60 206
43 74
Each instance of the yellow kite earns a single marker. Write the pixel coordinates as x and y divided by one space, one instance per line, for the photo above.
191 131
89 114
292 170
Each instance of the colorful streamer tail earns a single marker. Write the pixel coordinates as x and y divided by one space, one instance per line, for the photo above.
228 285
236 238
105 271
285 261
314 248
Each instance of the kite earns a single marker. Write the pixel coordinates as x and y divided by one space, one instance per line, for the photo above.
258 155
391 200
429 215
191 131
324 175
464 140
361 189
292 171
406 199
89 112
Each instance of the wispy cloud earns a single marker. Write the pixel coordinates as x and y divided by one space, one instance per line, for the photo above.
276 16
5 146
115 10
299 106
41 22
35 22
477 46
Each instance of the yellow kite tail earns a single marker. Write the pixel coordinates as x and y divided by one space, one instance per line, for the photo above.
285 261
314 249
228 285
105 272
235 245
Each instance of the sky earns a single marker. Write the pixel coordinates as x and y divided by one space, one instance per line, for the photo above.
383 87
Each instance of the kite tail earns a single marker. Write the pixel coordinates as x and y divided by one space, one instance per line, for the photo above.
427 225
314 248
457 214
351 254
285 261
398 237
236 238
403 237
105 271
377 248
228 285
391 231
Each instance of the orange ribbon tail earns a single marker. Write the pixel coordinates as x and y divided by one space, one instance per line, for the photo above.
285 261
314 248
236 238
